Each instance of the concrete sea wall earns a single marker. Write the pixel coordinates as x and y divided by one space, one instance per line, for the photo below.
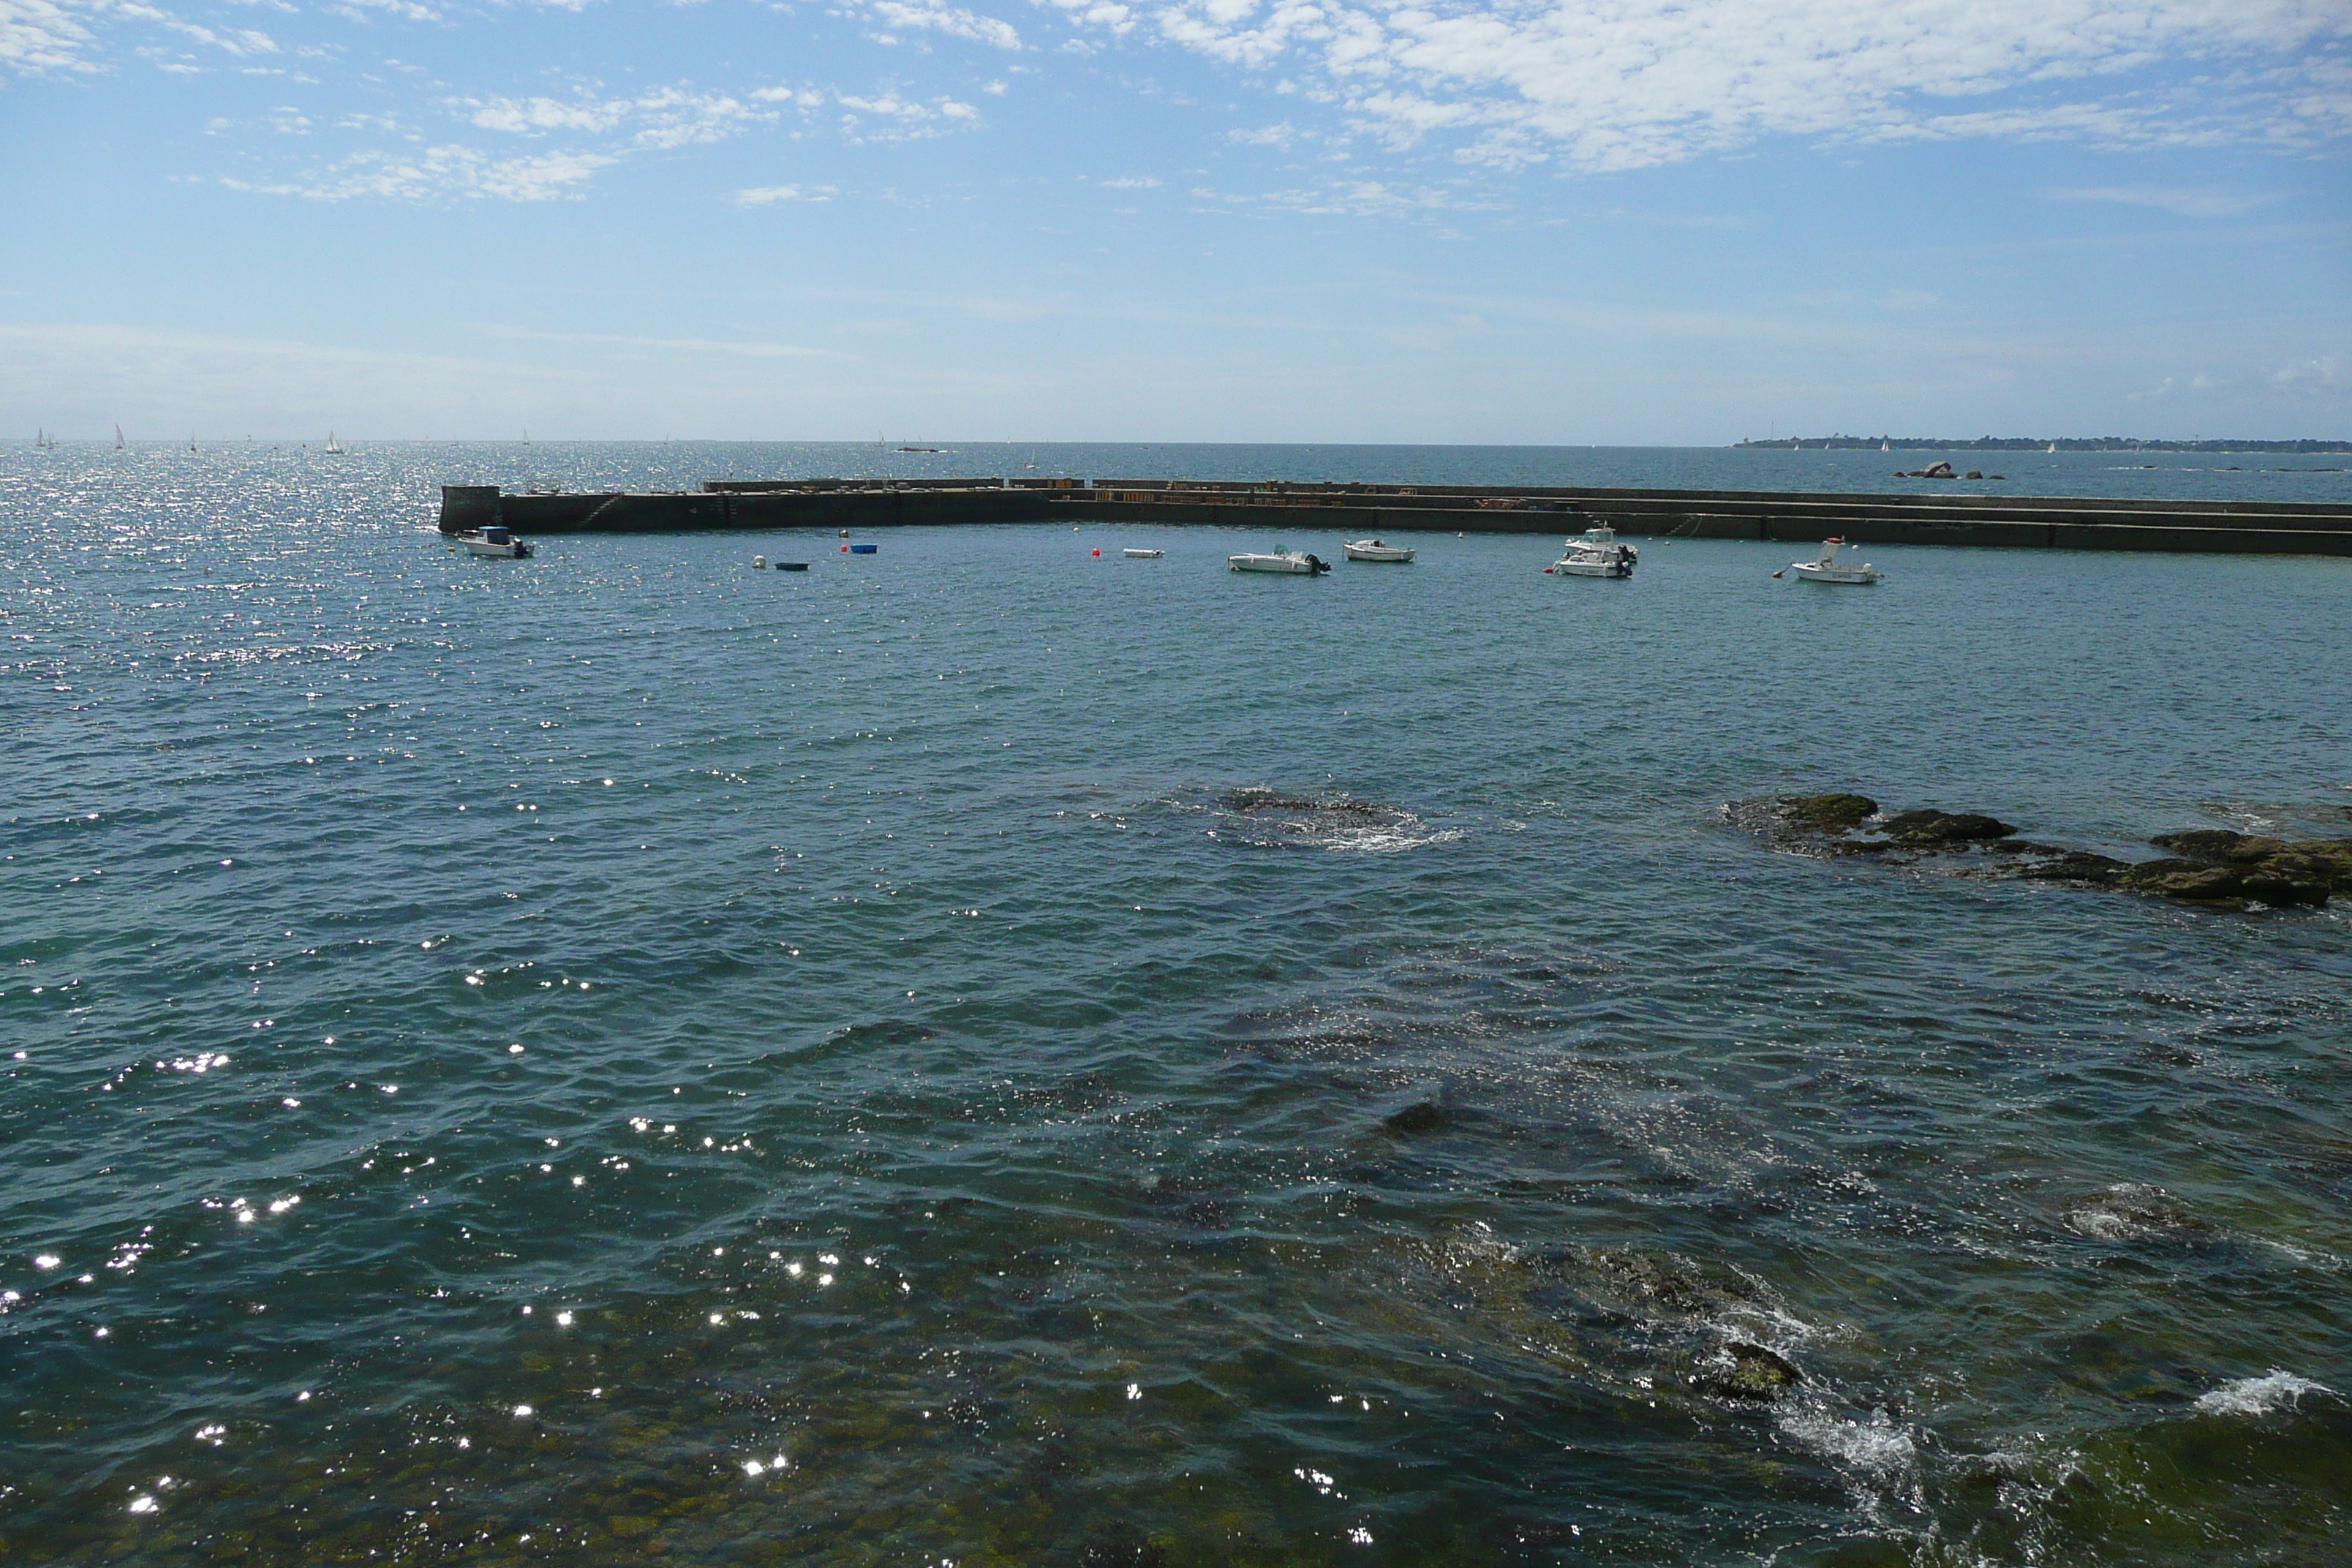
1927 518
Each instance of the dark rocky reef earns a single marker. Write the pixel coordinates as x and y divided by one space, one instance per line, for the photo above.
2208 866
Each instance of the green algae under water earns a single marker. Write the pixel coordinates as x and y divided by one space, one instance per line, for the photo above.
985 1054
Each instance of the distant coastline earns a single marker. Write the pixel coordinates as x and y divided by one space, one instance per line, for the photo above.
2034 443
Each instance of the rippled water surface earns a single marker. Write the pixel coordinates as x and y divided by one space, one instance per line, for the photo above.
982 1053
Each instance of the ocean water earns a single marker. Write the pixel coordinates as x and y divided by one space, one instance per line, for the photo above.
985 1054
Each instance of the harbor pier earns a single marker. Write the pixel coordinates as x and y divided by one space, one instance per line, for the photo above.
1925 517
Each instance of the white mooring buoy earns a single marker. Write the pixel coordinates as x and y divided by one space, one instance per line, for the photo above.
760 563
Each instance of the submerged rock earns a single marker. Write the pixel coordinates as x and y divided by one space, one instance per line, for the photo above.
1737 1370
1257 799
1825 813
2133 1211
2056 863
1663 1280
1424 1115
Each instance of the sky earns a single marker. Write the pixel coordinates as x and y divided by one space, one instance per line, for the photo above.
1622 222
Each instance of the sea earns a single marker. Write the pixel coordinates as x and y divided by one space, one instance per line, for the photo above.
992 1054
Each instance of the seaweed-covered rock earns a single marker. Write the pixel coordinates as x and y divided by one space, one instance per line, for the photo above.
1825 813
1737 1370
2282 879
1940 827
2217 845
2211 865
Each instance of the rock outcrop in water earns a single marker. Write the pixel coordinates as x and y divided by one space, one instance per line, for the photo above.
2209 866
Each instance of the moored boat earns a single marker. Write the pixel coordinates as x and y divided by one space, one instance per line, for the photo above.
495 539
1596 553
1827 569
1377 550
1295 561
1136 554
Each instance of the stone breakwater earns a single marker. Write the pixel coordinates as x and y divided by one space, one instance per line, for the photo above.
2211 865
2276 528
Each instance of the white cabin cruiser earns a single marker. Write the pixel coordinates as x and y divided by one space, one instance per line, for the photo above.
495 539
1292 561
1827 569
1596 553
1377 550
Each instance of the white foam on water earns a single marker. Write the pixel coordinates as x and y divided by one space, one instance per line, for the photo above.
1878 1456
1878 1448
2274 1390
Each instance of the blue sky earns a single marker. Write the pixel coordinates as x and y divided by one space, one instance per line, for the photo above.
1544 221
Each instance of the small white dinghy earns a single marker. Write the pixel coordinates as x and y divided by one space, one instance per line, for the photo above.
1827 569
1134 555
1291 561
496 541
1376 549
1596 553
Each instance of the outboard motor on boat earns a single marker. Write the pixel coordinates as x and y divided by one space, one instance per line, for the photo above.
1316 564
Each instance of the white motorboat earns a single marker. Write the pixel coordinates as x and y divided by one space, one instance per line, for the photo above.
1596 553
1292 561
1377 550
1134 555
1827 569
495 540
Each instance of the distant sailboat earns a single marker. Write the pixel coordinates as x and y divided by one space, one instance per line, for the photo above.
334 448
192 440
2053 447
118 437
1884 448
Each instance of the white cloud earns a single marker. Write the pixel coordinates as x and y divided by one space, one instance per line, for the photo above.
2183 201
442 174
744 348
953 20
38 35
1130 183
903 119
769 195
1615 84
668 117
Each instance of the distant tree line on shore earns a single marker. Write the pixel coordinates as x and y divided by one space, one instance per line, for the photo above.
2033 444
